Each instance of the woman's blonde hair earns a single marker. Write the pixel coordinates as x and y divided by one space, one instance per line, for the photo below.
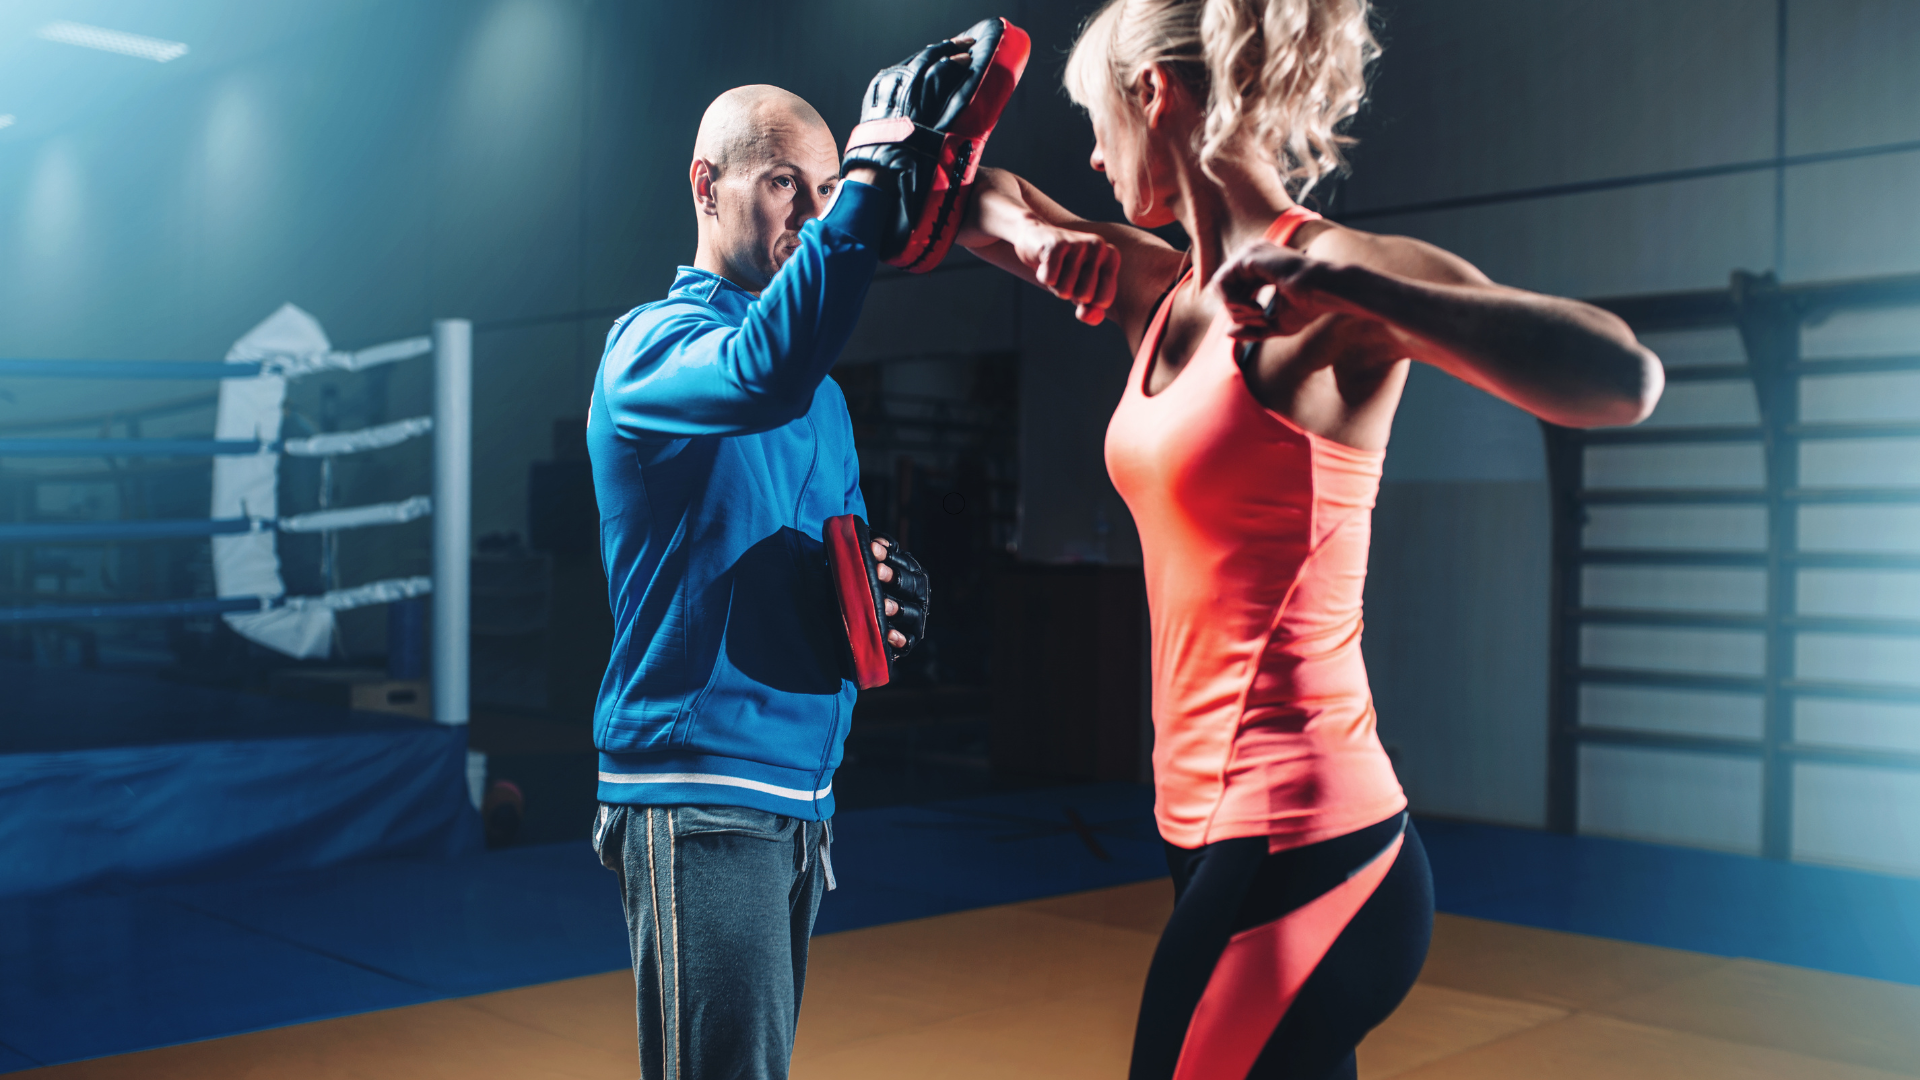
1284 75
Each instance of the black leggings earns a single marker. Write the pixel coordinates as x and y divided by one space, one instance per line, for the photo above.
1235 885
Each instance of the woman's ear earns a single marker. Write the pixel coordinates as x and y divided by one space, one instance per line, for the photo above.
1151 95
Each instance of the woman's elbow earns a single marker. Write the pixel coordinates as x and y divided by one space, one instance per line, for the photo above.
1627 394
1646 380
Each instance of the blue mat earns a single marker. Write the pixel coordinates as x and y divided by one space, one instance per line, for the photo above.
105 972
512 918
909 862
159 813
114 779
90 974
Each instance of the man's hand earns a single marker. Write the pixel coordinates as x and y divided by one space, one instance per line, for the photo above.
1072 265
926 120
894 637
1272 291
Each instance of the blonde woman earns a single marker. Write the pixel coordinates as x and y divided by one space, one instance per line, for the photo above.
1269 357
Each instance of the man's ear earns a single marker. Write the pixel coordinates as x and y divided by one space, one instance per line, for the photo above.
701 176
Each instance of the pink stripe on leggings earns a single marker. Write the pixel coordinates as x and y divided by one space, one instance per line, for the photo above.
1262 971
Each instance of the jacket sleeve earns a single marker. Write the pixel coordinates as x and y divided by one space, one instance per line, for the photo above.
683 371
856 499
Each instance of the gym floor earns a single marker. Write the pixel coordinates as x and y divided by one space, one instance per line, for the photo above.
1048 988
1002 936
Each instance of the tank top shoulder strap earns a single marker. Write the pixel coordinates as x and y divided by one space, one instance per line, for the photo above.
1288 223
1279 232
1150 341
1166 295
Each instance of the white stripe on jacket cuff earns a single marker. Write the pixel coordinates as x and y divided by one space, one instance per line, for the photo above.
716 779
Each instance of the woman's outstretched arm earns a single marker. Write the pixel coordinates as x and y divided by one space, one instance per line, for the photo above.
1566 362
1102 267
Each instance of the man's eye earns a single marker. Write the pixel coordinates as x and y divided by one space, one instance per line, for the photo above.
783 181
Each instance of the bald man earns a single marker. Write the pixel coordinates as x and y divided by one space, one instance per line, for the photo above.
719 448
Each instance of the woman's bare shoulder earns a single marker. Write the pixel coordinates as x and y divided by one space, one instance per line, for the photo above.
1403 256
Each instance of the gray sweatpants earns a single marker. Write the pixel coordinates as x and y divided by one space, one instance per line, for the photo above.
720 903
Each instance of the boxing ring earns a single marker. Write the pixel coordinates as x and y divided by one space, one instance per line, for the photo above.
116 778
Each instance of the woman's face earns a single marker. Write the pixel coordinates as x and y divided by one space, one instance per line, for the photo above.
1133 156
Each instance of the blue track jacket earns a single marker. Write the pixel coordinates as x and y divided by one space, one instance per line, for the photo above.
719 448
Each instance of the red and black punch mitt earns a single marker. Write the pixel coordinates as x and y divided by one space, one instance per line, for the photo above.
926 120
863 596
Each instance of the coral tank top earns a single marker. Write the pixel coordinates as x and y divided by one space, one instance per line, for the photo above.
1254 534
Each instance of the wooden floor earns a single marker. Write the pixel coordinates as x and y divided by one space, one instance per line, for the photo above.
1049 989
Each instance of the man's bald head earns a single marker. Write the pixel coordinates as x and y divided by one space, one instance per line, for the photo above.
751 125
764 164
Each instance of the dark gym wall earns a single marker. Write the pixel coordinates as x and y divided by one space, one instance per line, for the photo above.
1665 119
522 162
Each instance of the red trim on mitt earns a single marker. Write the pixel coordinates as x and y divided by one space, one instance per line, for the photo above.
960 153
850 562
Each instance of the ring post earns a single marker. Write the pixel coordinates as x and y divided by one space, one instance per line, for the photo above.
452 514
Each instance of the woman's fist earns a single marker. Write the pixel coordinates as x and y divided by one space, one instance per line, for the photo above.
1272 291
1072 265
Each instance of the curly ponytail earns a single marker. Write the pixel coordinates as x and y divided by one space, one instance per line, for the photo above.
1282 75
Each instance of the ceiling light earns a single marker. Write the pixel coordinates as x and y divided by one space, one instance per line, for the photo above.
115 41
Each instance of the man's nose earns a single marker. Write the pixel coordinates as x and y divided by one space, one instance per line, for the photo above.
1097 160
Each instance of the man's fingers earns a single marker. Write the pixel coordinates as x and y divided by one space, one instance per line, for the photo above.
897 639
1089 314
885 572
893 606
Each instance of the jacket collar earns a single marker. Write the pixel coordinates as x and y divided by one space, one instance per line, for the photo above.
723 295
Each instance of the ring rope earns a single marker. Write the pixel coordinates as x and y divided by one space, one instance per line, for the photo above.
376 592
329 444
246 447
287 365
336 520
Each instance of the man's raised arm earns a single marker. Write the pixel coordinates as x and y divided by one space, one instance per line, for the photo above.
689 373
